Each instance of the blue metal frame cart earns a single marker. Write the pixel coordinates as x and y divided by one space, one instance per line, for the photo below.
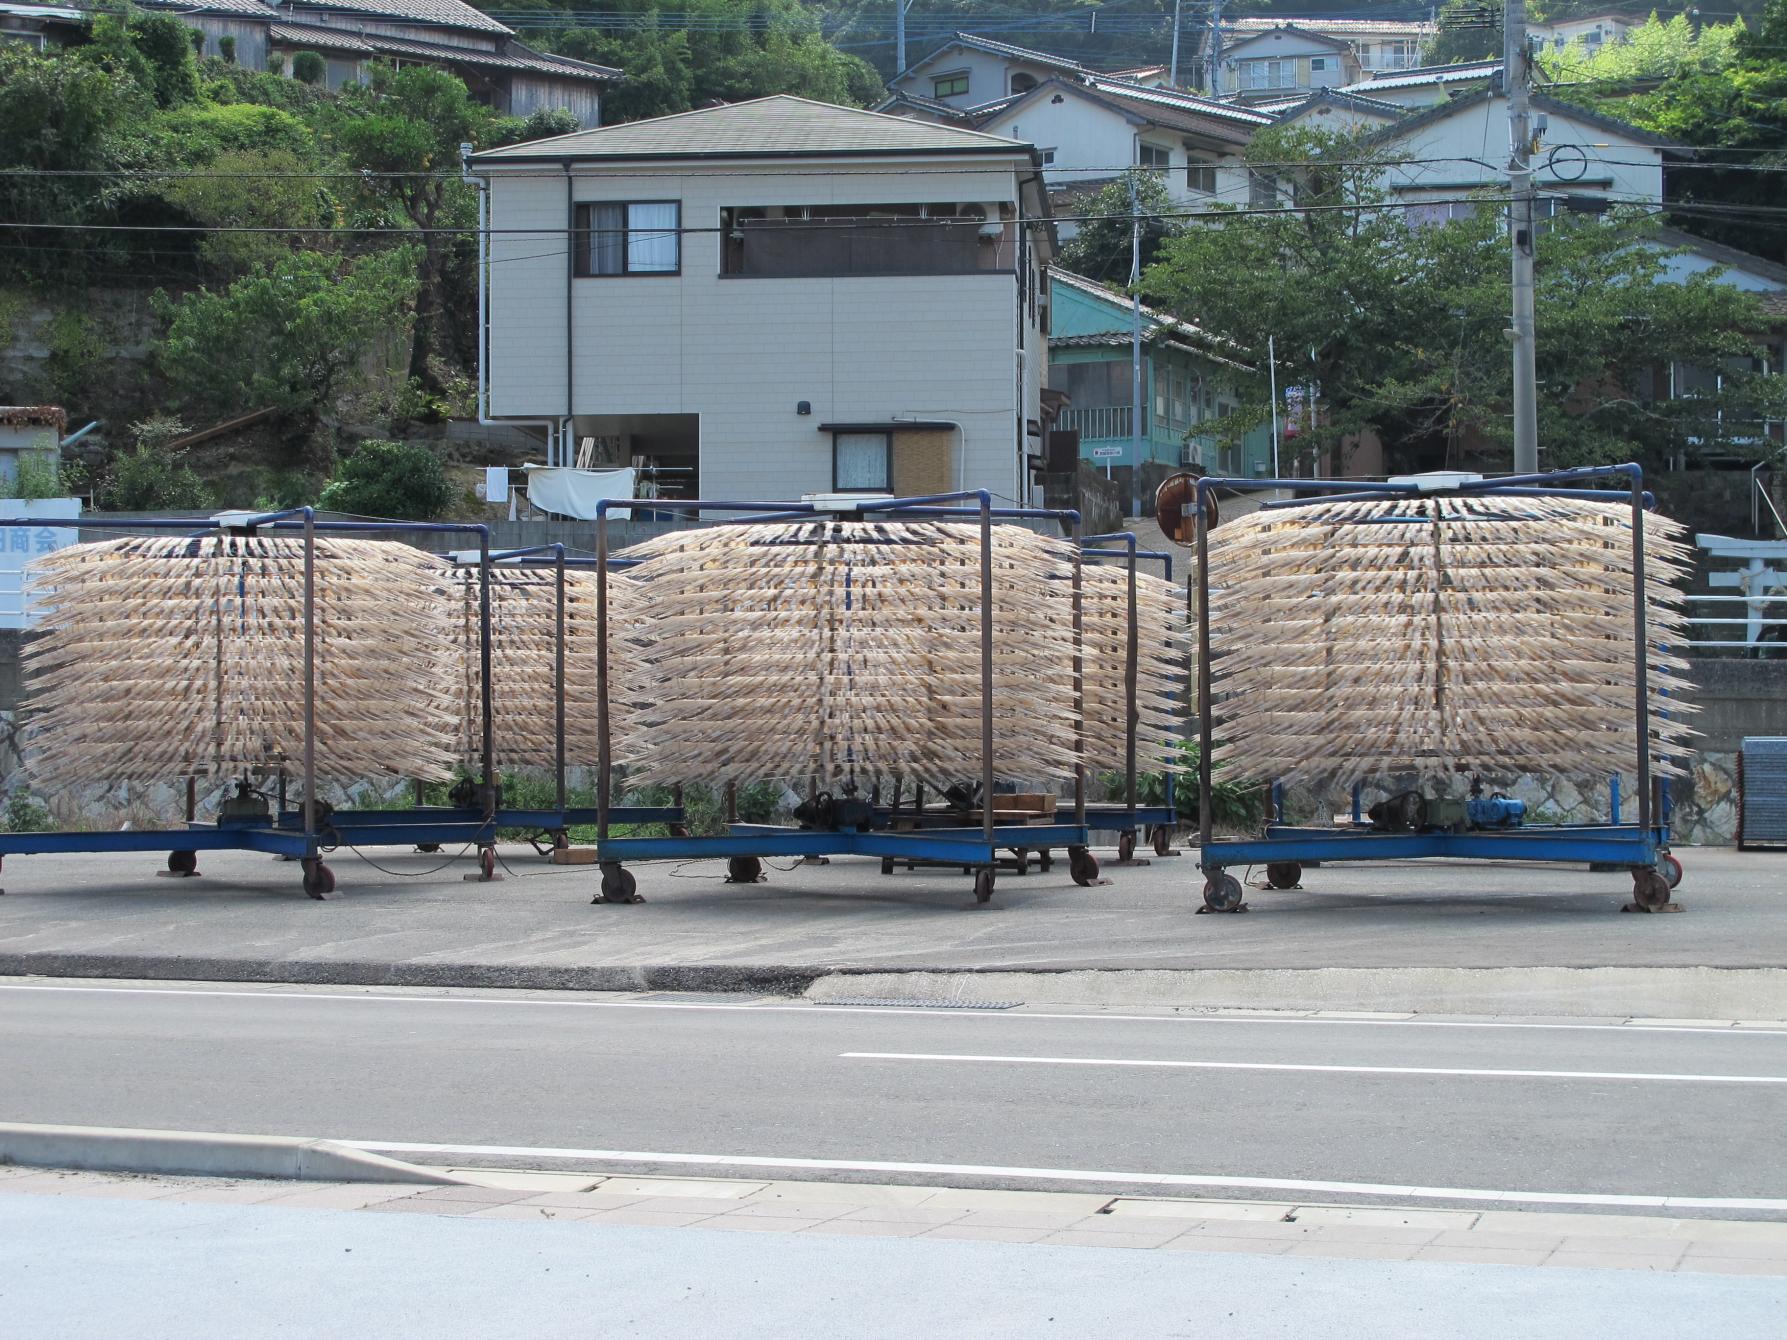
745 845
1284 850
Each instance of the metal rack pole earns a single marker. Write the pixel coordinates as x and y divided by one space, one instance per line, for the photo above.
558 675
604 759
1206 731
309 680
1132 653
1079 676
1640 631
487 703
986 665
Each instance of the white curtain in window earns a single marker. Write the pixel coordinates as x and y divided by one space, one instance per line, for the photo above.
862 461
652 238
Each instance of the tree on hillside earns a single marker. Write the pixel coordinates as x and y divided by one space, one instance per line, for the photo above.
1737 117
1467 30
292 336
1399 327
1100 247
1655 49
726 50
402 133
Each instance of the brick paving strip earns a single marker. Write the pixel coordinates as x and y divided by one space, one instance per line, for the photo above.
1078 1219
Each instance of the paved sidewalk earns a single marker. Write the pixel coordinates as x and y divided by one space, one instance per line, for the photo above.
245 919
1057 1219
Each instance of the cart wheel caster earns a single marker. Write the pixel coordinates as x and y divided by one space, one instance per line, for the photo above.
1083 866
1021 861
1163 840
1650 893
1284 874
887 865
1125 847
618 885
183 863
1222 893
561 840
1045 860
428 848
1670 869
679 830
487 862
319 880
983 886
743 870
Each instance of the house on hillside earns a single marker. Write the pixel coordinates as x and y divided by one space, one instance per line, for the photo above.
971 71
1593 31
42 27
1380 44
771 299
1284 61
1092 129
1581 156
1188 378
1427 86
1333 112
350 34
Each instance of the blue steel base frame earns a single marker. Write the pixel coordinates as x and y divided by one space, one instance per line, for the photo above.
745 845
1642 847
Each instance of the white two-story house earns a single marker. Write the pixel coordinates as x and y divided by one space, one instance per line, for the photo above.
773 299
1283 62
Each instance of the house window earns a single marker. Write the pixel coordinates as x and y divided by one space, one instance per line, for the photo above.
1152 156
950 85
1200 176
810 241
1317 64
1262 190
629 238
1048 158
1020 83
862 462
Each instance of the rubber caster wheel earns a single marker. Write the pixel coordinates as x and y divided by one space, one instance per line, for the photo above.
1163 841
319 880
743 870
487 862
1020 863
1126 847
1083 866
1670 869
561 840
1045 861
428 848
1222 892
1284 874
1650 891
679 830
618 886
183 862
983 886
887 865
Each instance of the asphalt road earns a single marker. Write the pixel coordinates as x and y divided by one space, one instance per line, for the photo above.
1023 1097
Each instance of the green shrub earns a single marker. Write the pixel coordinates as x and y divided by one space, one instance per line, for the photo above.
226 47
198 134
77 348
389 479
38 475
197 36
1238 807
276 62
151 478
308 67
174 72
25 815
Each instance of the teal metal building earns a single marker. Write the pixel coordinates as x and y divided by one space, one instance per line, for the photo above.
1188 378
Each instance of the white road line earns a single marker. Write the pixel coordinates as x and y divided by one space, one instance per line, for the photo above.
393 997
1325 1069
1070 1175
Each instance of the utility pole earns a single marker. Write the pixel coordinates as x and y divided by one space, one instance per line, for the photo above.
1212 77
1517 76
900 35
1135 347
1173 70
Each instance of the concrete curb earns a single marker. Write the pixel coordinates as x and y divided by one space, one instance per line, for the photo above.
1750 994
201 1153
1661 992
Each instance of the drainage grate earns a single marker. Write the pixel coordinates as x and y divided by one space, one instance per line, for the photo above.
894 1002
700 997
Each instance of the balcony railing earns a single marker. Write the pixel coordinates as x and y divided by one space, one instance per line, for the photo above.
1099 421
